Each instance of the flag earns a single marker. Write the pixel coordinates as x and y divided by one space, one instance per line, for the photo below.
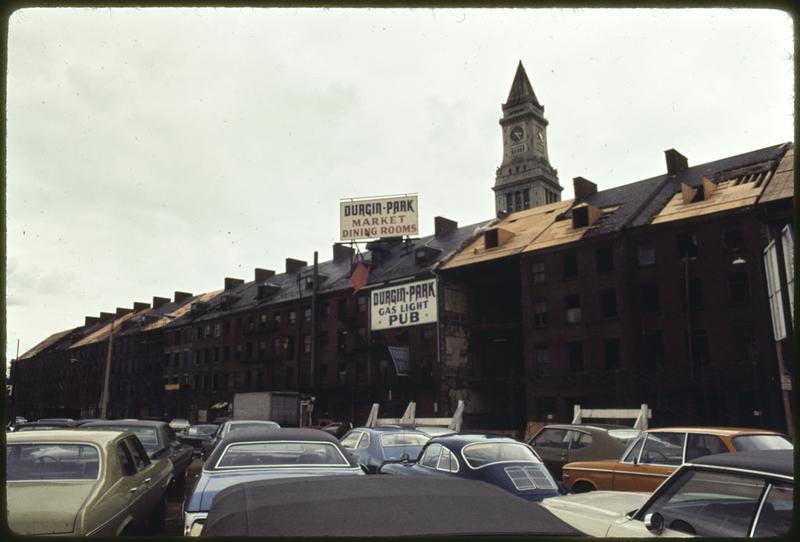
360 276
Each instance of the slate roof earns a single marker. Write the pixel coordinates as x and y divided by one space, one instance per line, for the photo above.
521 89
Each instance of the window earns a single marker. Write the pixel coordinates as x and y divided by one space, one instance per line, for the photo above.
526 199
447 461
663 449
289 346
604 258
307 314
431 456
217 330
653 346
575 354
276 347
226 353
542 355
537 271
633 452
292 317
125 460
551 438
695 293
645 253
746 344
262 320
341 340
540 312
739 287
579 440
648 298
138 453
351 440
238 352
733 240
608 303
687 245
517 199
306 344
700 354
611 352
276 318
509 200
572 306
698 445
775 518
207 331
362 303
569 265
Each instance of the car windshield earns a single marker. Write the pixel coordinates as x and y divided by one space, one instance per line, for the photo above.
281 454
403 439
744 443
147 435
250 425
624 435
487 453
201 430
51 462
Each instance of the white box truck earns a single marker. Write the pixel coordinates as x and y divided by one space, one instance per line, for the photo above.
282 407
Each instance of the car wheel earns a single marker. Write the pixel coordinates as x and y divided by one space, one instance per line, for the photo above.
582 487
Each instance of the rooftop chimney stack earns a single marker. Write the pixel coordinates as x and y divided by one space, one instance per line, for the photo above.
294 265
583 188
676 162
182 296
230 283
263 274
91 320
160 301
123 312
341 252
106 316
443 226
138 306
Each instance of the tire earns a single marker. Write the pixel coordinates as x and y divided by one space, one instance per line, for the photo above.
582 487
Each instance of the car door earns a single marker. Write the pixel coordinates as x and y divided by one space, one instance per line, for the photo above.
350 443
661 453
552 445
580 446
145 481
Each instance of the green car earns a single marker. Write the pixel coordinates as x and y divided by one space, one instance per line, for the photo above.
66 482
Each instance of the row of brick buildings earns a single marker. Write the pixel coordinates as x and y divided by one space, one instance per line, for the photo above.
675 291
653 292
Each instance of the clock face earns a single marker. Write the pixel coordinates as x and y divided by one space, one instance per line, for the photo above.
517 133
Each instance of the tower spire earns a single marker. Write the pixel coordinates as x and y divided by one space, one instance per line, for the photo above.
521 89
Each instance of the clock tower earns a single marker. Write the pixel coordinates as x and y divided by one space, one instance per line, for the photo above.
525 178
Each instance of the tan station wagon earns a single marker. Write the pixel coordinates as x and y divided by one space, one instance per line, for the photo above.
657 453
67 482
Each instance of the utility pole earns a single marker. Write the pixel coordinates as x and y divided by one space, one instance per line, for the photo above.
315 292
107 376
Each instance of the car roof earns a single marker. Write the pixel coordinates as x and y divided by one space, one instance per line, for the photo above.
54 423
131 423
265 422
771 462
271 434
387 429
387 506
597 426
63 435
725 431
470 438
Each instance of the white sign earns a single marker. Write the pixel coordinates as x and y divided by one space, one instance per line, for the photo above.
379 217
400 356
403 305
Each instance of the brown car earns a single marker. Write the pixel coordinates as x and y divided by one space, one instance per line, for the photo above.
656 453
559 444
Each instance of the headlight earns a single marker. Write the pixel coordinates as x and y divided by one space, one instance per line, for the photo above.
193 523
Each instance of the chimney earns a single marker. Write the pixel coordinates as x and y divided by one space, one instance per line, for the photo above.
232 283
182 296
160 301
676 162
137 306
583 188
341 252
91 320
123 312
294 265
263 274
106 316
443 226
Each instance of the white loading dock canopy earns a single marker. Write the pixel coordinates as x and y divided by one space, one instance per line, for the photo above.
409 418
641 415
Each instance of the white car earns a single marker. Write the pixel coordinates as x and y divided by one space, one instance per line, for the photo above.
745 494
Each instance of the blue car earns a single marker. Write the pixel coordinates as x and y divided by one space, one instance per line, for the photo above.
373 446
501 461
261 454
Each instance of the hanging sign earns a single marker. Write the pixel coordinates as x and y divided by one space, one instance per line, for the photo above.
394 216
403 305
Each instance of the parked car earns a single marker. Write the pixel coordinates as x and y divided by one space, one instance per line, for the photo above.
560 444
229 427
158 439
79 483
723 495
337 429
657 453
45 425
373 446
385 506
196 435
55 420
179 424
265 453
502 461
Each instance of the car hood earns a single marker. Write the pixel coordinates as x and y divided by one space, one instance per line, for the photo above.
601 464
212 483
36 508
595 511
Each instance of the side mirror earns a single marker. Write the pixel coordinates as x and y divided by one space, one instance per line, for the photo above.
654 523
404 458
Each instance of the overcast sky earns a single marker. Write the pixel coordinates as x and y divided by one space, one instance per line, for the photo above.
154 150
